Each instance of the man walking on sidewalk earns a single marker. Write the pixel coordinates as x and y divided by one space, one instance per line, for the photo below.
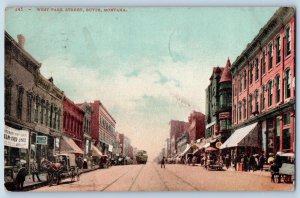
34 170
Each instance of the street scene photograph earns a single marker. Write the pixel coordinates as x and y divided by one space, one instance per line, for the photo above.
121 99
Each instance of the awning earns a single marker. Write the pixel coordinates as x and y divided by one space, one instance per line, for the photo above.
210 124
186 150
68 145
206 145
95 151
246 136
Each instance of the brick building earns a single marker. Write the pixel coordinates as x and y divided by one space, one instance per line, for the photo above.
103 128
73 127
196 128
177 128
263 86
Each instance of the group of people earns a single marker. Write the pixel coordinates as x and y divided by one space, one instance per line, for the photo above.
249 162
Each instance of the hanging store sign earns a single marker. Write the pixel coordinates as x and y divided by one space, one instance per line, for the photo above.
16 138
41 139
110 148
218 144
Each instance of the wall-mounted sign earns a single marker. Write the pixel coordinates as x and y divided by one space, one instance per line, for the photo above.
16 138
41 139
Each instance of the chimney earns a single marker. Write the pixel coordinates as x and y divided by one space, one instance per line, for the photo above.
21 40
51 79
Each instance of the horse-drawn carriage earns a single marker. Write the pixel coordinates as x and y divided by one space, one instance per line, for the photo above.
104 162
65 166
285 163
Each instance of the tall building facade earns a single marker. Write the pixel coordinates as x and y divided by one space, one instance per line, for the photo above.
103 127
263 84
177 128
196 126
212 103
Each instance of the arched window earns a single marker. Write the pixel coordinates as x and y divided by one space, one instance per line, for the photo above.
250 73
263 99
270 56
278 57
256 69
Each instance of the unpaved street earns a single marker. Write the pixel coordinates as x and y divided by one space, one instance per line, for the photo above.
151 177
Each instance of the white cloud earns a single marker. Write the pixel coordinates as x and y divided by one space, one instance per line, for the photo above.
125 94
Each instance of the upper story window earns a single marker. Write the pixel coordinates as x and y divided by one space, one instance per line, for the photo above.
287 84
8 95
240 83
240 111
20 102
277 83
286 119
256 101
263 62
244 108
250 73
278 57
256 69
245 79
270 86
288 40
270 56
263 99
250 104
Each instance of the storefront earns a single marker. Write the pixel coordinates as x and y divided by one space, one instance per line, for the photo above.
16 144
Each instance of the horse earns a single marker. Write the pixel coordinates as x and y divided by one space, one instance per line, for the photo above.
53 170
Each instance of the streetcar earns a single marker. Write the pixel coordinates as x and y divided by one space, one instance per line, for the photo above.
141 157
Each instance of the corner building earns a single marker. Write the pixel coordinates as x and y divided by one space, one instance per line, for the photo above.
263 86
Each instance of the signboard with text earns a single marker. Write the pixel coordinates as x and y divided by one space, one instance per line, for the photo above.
41 139
16 138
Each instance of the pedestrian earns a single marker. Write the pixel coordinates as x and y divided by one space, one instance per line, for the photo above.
227 161
34 171
274 169
162 163
20 178
261 162
252 163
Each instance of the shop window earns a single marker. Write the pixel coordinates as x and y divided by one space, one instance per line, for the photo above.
286 139
270 56
228 123
256 69
288 40
287 84
278 49
286 118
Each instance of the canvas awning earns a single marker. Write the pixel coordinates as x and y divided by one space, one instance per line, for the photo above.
245 136
95 151
206 145
68 145
210 124
186 150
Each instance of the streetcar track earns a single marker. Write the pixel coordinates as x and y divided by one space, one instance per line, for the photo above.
136 178
184 181
114 181
160 177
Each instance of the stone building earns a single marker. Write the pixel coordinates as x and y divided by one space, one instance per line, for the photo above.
263 87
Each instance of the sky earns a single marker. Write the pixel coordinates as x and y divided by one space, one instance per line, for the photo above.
146 65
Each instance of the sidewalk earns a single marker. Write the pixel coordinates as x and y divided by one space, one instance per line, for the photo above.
258 172
30 185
